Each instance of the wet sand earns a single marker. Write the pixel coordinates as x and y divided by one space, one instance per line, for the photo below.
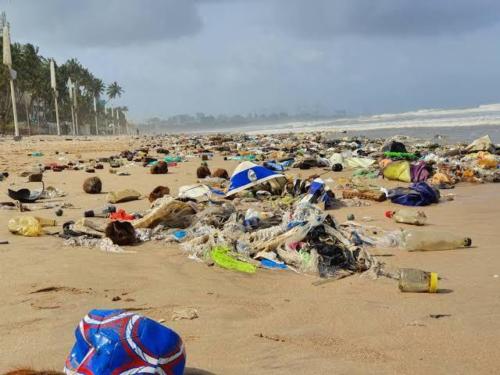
272 322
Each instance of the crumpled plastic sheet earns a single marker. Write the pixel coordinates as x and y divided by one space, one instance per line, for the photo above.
204 238
158 233
215 215
103 244
52 192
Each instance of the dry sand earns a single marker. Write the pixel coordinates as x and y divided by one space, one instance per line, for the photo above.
273 322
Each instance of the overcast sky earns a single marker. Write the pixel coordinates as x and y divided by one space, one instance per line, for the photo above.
240 56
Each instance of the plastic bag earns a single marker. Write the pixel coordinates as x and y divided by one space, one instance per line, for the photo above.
220 255
398 171
123 196
27 226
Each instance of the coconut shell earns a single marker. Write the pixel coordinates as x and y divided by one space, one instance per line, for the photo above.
159 168
158 192
121 233
203 172
92 185
221 173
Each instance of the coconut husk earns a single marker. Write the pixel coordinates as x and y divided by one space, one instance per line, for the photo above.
92 185
221 173
121 233
203 171
159 168
158 192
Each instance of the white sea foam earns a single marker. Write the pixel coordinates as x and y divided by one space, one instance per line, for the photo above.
484 115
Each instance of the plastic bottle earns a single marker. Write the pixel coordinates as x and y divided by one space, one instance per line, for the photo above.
102 212
412 240
243 248
406 216
417 281
44 222
252 218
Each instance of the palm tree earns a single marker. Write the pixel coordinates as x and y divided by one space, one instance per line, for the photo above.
122 118
98 87
114 90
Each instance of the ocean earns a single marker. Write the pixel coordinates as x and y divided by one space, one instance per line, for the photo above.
453 125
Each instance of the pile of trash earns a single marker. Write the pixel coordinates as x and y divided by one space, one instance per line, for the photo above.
262 216
245 228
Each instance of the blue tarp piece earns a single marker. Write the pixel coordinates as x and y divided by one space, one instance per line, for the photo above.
419 194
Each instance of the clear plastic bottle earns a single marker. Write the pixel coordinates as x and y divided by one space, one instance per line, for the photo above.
407 216
412 240
417 281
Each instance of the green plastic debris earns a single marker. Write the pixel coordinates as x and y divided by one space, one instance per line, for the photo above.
365 173
220 255
172 159
287 200
400 155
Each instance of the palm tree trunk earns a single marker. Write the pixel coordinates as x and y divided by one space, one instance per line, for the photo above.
27 117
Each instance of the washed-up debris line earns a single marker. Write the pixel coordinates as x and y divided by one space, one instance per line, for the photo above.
264 215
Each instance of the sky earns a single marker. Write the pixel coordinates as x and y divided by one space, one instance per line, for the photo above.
245 56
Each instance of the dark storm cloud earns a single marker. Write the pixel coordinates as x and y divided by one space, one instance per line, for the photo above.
103 22
327 18
239 56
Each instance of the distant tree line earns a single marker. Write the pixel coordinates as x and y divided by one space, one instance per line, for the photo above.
201 121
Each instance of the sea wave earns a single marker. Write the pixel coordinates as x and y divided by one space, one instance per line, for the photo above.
484 115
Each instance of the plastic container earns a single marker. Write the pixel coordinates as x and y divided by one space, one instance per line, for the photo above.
44 222
407 216
412 240
417 281
103 212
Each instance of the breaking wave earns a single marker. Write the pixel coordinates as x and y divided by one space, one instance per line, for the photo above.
484 115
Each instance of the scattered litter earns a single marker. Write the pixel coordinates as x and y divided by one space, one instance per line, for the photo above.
271 212
268 337
122 196
439 316
187 313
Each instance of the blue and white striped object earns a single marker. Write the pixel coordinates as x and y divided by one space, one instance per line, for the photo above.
247 175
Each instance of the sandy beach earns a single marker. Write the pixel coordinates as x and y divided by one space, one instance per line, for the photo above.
271 322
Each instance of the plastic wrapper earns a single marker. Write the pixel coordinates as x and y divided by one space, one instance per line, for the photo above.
103 244
27 226
168 211
222 256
